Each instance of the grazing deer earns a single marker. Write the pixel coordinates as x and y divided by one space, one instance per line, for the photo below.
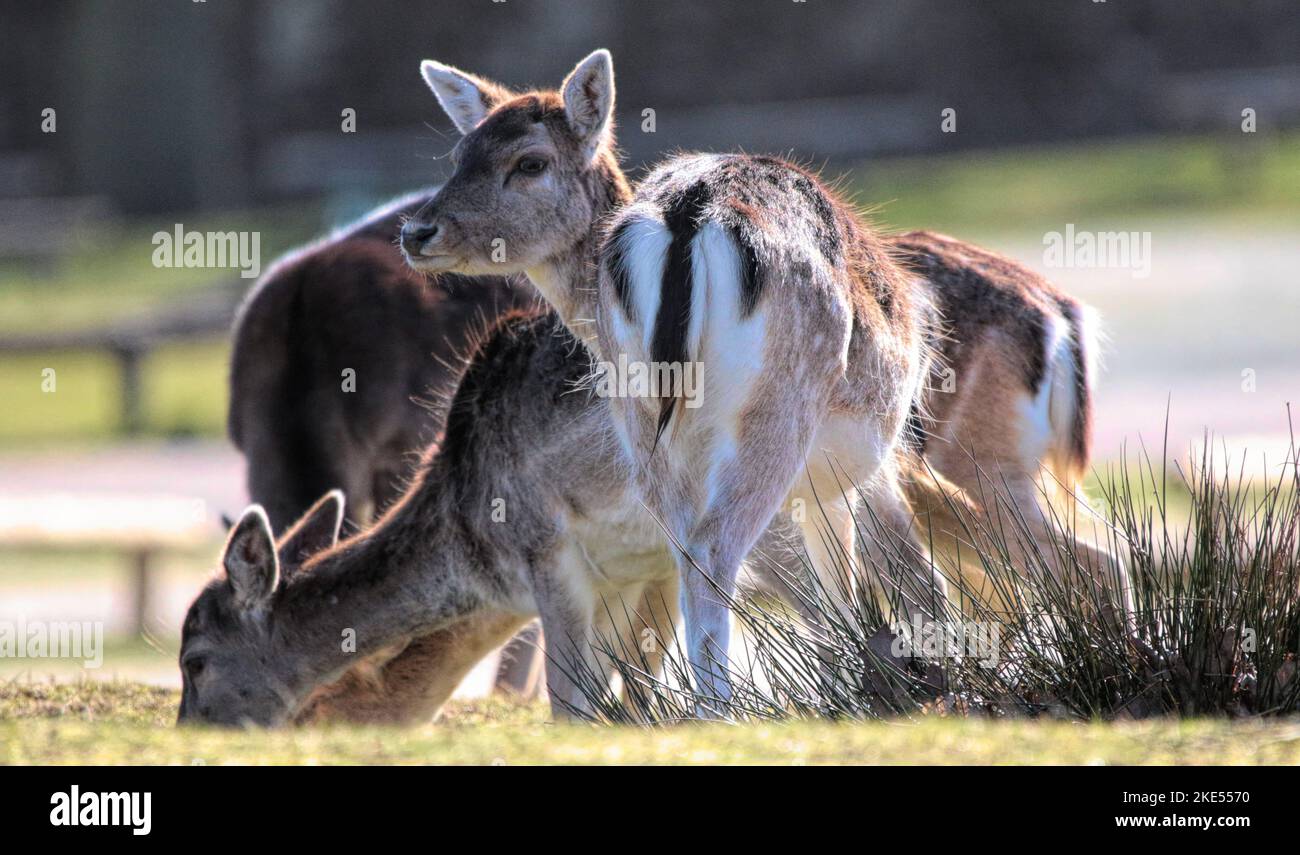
524 509
334 350
349 303
817 343
1007 415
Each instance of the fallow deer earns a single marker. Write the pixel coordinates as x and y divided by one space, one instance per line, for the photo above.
525 509
333 352
817 342
348 303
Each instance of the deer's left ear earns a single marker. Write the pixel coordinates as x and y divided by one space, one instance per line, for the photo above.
466 98
589 99
317 531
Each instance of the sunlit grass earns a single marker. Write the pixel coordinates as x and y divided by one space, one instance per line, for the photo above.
185 391
1100 185
108 723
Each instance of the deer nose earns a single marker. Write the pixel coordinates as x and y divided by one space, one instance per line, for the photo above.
416 235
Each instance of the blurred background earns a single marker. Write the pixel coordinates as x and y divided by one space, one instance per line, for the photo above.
1177 121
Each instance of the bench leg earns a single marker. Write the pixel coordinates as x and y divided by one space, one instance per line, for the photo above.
141 562
130 362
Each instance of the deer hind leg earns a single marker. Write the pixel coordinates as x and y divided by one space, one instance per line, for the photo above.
522 669
826 520
896 557
747 482
1052 536
637 628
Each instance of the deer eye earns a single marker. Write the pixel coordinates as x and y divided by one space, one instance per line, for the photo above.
531 165
194 666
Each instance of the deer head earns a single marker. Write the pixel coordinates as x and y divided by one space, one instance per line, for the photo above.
533 173
233 670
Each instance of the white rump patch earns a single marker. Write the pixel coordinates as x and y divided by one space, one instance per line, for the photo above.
1050 412
730 349
644 251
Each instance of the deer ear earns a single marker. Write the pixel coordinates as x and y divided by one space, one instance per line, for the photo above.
316 531
466 98
589 99
249 559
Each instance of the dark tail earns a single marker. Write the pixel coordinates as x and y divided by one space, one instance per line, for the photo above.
668 342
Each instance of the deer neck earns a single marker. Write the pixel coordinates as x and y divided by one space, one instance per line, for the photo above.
410 685
568 279
413 574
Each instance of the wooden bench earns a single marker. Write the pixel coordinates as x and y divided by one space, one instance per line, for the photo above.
137 526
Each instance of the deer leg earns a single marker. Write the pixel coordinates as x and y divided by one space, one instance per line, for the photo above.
746 491
897 561
656 621
640 630
572 670
567 607
522 664
829 533
1075 564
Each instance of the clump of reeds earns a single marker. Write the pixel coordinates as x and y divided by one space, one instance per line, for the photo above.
1213 562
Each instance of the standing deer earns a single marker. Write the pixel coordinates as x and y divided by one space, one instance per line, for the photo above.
817 342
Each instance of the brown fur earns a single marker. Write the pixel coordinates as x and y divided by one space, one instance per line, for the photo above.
349 302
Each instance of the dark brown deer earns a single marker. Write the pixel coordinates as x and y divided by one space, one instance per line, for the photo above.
336 351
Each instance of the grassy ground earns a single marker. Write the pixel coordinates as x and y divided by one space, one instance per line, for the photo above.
108 723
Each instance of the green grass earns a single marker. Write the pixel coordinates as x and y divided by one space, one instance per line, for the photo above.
1103 184
109 723
185 395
